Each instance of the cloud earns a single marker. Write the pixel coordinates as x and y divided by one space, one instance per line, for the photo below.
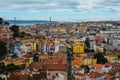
60 5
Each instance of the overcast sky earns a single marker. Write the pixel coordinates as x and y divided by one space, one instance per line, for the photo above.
61 10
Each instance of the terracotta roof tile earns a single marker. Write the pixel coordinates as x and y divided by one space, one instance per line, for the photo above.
79 69
108 64
53 61
97 66
80 75
60 54
94 74
55 67
108 76
27 55
77 62
37 64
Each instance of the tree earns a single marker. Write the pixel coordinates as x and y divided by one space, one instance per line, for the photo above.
100 58
98 55
89 50
15 30
2 67
1 78
6 23
22 34
118 56
86 68
3 49
11 67
87 43
14 56
1 20
35 57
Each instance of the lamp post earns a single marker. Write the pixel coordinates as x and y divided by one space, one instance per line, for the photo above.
69 60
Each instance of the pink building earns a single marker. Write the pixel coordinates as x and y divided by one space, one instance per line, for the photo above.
5 34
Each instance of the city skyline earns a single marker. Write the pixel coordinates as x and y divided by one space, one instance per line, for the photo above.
60 10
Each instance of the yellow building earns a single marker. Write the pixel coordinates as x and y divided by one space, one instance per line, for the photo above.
34 46
111 58
108 58
94 61
28 59
87 61
16 61
19 61
62 30
43 56
54 29
78 48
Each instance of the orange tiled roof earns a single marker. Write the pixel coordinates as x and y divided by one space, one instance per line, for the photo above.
15 73
63 61
24 77
94 74
53 61
37 64
118 78
112 55
79 69
97 66
80 75
43 54
71 40
77 62
1 30
27 55
108 64
55 67
60 54
25 38
108 76
62 46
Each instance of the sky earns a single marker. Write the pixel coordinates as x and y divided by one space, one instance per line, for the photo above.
60 10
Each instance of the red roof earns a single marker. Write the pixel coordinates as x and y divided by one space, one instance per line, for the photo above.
108 64
94 74
1 30
80 75
50 61
60 54
77 61
97 66
108 76
79 69
27 55
59 67
37 64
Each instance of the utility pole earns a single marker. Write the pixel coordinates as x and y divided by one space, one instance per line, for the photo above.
69 61
14 20
50 19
